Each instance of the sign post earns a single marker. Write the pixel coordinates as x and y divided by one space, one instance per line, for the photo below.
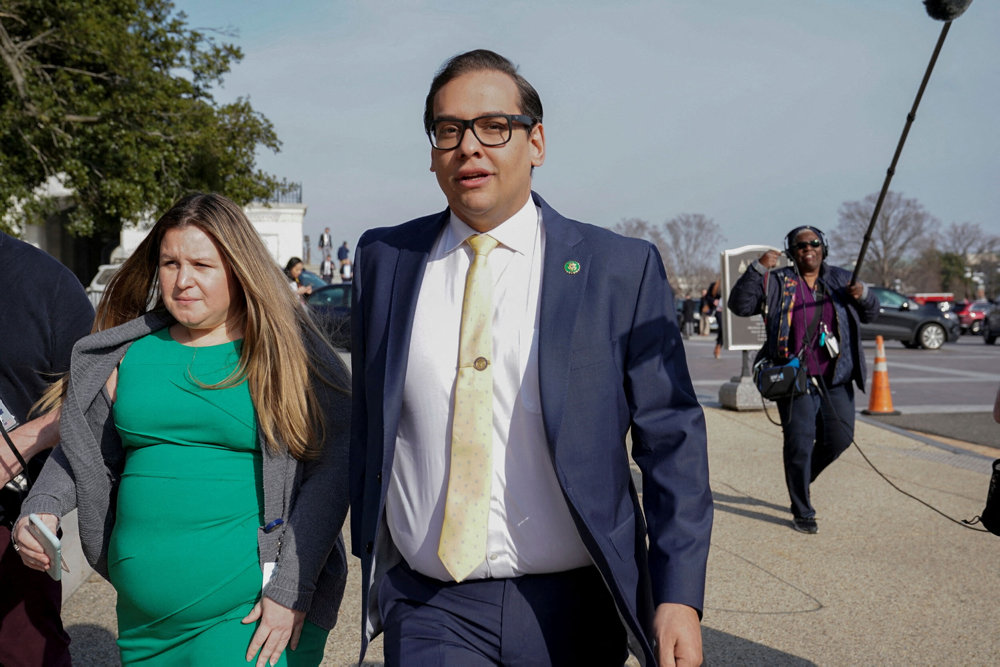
742 333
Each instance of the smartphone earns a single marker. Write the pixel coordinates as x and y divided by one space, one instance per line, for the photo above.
7 418
50 544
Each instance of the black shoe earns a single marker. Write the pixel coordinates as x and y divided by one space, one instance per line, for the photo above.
804 525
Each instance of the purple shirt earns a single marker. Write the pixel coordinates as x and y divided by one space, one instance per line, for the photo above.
816 358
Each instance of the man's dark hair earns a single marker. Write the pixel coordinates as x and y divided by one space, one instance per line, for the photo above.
477 61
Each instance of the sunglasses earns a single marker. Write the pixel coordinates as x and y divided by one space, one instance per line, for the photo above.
802 245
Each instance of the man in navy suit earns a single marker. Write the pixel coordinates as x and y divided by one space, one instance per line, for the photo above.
586 349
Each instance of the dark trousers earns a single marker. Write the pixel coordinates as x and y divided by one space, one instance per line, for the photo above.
566 618
817 428
31 632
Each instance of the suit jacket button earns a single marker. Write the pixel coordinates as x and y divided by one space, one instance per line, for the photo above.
378 477
369 547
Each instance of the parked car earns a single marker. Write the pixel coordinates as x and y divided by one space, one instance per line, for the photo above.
960 306
309 278
95 290
907 321
971 317
331 306
991 325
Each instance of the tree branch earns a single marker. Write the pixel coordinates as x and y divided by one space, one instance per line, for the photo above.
73 118
8 53
75 70
38 153
25 45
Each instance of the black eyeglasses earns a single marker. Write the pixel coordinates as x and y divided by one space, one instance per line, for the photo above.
802 245
494 130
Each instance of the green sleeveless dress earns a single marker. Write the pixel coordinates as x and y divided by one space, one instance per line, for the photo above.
183 551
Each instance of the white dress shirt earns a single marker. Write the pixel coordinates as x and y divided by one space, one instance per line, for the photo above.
530 529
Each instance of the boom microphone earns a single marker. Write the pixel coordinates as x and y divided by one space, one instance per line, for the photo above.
946 10
943 10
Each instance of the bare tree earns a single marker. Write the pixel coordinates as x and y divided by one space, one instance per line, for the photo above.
967 238
902 232
975 256
695 242
926 273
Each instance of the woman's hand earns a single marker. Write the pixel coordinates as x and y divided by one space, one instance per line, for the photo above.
305 289
28 546
769 259
856 290
279 627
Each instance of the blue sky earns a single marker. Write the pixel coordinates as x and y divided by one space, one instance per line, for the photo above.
760 115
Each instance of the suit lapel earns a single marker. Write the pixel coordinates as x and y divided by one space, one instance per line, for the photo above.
565 272
413 252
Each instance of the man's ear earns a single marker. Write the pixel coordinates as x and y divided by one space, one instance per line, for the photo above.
536 140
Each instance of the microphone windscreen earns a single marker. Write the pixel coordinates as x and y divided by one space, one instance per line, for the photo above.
946 10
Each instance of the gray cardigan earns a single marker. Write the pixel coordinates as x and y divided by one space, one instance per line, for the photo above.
311 497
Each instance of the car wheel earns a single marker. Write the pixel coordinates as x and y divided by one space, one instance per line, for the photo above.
931 336
976 328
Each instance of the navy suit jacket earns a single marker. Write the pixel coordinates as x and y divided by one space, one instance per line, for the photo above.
610 359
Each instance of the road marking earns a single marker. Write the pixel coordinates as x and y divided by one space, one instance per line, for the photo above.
977 375
939 409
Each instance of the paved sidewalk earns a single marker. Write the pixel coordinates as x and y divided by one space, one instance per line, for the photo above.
886 581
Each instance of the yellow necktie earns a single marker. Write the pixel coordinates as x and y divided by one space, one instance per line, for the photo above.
466 510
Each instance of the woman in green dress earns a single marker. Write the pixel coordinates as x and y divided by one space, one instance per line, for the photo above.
204 444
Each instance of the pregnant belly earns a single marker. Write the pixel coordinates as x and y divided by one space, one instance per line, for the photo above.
184 544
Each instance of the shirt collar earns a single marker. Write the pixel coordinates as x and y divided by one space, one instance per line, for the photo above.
516 232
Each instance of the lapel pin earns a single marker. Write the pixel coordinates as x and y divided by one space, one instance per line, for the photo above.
572 267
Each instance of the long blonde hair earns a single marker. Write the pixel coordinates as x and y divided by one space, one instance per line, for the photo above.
282 346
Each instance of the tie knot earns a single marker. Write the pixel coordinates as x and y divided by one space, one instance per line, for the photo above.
482 244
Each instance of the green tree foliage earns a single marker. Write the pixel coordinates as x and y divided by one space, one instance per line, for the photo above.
115 96
953 274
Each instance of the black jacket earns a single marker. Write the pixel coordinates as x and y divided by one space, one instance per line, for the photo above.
747 298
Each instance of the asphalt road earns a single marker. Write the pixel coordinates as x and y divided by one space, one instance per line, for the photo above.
947 393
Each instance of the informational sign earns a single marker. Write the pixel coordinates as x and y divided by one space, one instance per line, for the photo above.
742 333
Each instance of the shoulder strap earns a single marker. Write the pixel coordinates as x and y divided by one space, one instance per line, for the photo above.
810 336
767 272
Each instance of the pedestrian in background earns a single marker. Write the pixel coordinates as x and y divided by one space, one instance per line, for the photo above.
325 241
714 293
688 309
204 443
293 271
326 269
45 311
705 308
343 253
813 314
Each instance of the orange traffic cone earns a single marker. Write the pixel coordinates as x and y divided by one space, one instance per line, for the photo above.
880 402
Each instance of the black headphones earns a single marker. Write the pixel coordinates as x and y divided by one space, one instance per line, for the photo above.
790 239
